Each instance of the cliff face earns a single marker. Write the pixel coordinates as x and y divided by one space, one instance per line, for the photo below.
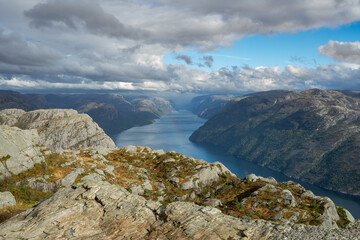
58 129
313 135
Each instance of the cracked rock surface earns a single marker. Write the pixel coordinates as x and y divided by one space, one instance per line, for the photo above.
100 210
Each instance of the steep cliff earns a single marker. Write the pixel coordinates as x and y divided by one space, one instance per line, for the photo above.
313 135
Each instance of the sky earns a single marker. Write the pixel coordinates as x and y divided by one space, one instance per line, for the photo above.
187 46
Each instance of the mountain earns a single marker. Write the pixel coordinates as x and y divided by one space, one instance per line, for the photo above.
113 112
101 192
313 135
209 105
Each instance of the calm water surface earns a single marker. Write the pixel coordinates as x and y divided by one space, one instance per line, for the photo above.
172 132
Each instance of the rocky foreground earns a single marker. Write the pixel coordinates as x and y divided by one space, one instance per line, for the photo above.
140 193
84 190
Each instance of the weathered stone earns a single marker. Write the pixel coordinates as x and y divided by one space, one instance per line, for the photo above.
212 202
330 215
99 210
61 129
288 198
20 150
6 199
307 194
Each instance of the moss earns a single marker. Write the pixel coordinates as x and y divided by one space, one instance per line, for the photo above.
343 221
21 125
3 159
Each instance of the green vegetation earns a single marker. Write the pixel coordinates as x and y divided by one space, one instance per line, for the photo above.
3 159
343 218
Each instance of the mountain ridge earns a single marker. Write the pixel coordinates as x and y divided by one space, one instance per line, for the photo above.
298 134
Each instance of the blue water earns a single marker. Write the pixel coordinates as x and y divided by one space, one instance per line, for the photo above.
172 132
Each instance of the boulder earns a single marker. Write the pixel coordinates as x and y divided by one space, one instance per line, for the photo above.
6 199
288 198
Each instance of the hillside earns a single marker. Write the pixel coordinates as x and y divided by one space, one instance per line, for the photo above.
113 112
100 192
313 135
209 105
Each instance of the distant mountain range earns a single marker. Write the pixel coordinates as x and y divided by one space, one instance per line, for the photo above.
113 112
209 105
313 135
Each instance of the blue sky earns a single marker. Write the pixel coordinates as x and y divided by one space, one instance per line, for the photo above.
299 48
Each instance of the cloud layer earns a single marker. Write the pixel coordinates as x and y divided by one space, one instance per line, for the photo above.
108 44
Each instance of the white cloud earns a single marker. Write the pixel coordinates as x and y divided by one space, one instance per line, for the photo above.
342 51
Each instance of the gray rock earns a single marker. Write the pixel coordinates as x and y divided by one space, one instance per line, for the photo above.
6 199
175 181
307 194
70 178
349 216
212 202
137 189
158 152
330 215
22 147
93 177
131 149
192 196
252 177
169 160
61 129
288 198
99 210
147 185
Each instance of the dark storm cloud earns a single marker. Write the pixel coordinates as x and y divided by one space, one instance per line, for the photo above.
86 13
342 51
185 58
208 61
15 50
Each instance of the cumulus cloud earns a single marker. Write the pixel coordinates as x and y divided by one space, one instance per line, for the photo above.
185 58
342 51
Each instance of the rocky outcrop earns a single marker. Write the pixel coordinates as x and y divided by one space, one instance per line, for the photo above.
313 135
6 199
59 129
99 210
168 178
19 150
